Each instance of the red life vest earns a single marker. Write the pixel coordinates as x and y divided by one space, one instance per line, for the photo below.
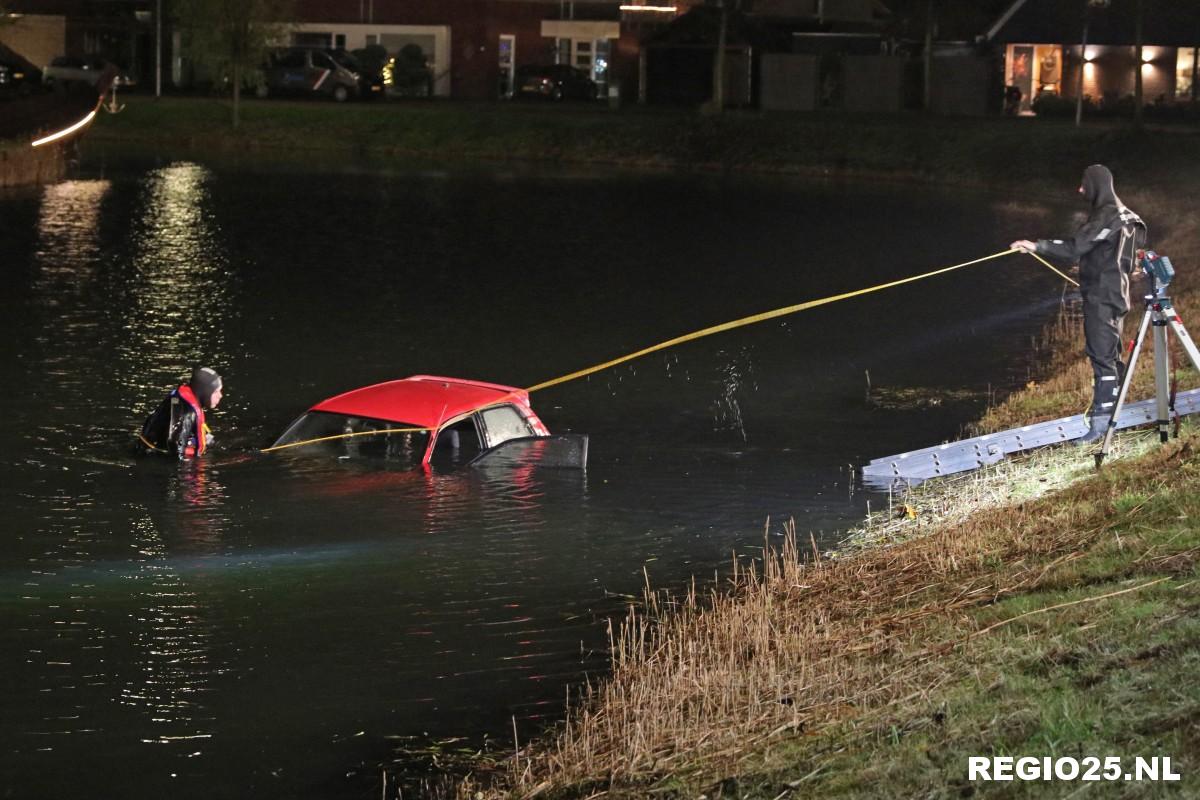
189 397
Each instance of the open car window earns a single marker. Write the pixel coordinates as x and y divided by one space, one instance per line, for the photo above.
370 437
456 444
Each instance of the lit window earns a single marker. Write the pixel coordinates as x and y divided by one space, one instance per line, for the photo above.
1185 63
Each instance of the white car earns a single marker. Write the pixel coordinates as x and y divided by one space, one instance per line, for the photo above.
70 70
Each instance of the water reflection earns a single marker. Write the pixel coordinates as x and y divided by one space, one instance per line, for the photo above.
173 667
69 237
178 299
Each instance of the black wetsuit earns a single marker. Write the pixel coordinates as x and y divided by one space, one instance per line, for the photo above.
1104 248
171 428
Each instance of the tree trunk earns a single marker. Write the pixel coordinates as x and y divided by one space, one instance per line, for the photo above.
237 93
927 100
1137 78
718 94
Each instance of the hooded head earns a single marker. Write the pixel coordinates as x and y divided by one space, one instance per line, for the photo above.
1097 188
206 383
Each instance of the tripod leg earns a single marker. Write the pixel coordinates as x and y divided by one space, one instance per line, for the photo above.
1162 378
1133 360
1189 346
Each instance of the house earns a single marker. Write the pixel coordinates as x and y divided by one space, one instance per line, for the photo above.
780 54
472 47
1044 55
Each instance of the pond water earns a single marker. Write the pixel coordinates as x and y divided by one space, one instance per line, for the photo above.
277 624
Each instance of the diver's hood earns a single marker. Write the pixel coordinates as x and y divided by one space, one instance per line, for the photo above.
1098 188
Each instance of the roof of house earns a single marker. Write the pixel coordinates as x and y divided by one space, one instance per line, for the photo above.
1165 22
426 401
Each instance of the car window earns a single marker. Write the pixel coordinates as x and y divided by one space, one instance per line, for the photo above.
291 60
346 60
353 437
502 423
322 61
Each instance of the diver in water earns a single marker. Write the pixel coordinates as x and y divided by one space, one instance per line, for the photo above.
1105 247
178 426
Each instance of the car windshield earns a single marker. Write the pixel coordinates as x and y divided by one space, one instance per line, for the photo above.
353 437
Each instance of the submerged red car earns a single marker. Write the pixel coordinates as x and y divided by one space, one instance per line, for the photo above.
426 419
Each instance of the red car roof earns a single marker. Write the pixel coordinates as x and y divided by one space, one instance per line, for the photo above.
424 400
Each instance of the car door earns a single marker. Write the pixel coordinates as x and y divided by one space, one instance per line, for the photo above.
290 71
322 72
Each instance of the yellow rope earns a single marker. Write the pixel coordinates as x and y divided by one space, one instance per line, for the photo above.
1052 267
766 315
727 326
151 444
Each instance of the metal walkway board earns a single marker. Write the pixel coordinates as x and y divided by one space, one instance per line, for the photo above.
968 454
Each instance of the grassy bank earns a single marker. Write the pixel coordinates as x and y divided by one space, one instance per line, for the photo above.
1038 608
966 151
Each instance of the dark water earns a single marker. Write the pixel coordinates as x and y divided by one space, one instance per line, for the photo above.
267 624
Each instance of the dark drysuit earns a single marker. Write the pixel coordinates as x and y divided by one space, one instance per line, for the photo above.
1104 247
177 426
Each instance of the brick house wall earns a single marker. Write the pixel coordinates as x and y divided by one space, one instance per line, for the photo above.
475 27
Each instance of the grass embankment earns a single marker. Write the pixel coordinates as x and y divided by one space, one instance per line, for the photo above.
1038 608
967 151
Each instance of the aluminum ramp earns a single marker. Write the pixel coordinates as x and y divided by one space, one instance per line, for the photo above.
968 454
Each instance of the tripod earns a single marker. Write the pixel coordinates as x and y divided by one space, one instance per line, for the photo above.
1160 314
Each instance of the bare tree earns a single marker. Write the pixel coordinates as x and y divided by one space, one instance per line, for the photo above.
718 94
232 37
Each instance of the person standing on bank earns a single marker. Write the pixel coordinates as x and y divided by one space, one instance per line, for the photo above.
178 425
1105 247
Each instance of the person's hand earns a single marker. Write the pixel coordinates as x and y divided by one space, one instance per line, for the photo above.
1024 245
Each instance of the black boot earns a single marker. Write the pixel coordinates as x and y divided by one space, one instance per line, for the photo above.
1098 427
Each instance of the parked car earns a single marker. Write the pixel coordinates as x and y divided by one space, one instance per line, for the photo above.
17 80
67 71
308 71
555 82
370 81
426 419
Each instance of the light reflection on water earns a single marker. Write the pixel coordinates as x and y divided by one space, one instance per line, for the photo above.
234 626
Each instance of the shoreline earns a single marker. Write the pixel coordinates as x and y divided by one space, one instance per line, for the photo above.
977 153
